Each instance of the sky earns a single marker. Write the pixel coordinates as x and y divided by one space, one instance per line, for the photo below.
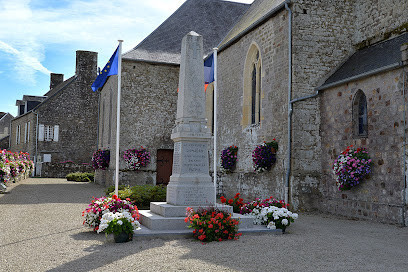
39 37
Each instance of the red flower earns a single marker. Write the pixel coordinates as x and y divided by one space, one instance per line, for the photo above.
223 199
230 201
210 226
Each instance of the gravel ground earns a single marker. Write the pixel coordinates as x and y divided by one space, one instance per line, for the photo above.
41 230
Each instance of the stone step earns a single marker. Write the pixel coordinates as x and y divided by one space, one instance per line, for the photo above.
167 210
154 221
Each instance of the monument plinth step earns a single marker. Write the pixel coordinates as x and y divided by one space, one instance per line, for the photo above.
154 221
168 210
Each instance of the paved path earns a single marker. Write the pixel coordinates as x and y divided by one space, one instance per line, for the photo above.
41 230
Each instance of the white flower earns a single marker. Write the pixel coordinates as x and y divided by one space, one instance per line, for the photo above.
271 225
120 222
294 216
285 222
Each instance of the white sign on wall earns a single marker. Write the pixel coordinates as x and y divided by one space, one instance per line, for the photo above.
47 157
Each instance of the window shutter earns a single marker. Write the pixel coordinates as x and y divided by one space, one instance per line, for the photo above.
25 132
41 132
56 133
28 132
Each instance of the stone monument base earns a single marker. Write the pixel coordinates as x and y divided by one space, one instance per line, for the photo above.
164 216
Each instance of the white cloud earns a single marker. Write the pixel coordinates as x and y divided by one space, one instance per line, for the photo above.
26 62
29 27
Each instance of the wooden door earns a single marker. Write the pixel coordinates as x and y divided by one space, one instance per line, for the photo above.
164 166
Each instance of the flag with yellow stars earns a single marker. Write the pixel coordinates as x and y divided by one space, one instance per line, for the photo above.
111 68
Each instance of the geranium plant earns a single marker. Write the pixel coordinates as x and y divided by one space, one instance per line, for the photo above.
118 222
235 202
351 167
211 224
271 212
100 206
136 158
229 158
250 206
100 159
264 156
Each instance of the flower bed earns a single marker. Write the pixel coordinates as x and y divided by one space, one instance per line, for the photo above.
270 212
235 202
14 166
212 224
351 167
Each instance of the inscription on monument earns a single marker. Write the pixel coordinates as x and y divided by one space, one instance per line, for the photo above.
176 158
194 158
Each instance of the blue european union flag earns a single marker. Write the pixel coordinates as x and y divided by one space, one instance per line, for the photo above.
111 68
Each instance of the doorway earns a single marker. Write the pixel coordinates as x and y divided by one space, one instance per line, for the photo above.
164 165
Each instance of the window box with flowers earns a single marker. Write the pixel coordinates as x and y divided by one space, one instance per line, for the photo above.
264 156
229 159
351 167
136 158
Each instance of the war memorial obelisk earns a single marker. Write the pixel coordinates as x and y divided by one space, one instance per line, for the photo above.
190 183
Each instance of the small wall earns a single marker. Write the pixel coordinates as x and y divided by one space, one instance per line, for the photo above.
60 170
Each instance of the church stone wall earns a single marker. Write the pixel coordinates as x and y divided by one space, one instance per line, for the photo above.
148 111
321 41
271 38
380 196
376 18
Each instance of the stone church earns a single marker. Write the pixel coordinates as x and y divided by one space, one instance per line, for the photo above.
315 75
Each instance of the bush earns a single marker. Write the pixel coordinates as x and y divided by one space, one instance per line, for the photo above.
140 195
81 177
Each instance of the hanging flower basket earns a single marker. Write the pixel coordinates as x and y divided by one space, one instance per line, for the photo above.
351 167
229 158
100 159
136 158
264 156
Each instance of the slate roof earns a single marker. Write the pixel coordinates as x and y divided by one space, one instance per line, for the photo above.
369 59
210 18
256 14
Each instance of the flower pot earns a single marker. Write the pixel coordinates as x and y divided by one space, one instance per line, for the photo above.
123 237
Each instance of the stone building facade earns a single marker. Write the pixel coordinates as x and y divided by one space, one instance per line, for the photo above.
281 54
62 129
5 120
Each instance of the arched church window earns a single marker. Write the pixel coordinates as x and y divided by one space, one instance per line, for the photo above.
360 122
251 110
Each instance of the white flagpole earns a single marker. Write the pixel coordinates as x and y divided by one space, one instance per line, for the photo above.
215 125
118 117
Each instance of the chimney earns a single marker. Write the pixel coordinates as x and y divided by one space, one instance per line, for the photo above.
86 64
56 79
